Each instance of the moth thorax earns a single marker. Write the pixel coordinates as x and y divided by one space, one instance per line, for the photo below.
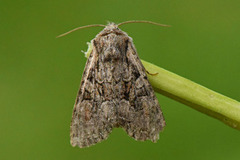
111 53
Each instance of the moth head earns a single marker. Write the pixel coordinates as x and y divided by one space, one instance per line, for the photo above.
111 28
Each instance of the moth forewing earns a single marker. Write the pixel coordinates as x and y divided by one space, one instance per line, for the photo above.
114 92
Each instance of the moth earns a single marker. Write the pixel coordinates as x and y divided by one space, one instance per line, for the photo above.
114 92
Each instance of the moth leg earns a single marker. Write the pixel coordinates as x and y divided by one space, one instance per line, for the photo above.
152 74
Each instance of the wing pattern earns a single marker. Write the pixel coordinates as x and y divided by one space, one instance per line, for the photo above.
115 92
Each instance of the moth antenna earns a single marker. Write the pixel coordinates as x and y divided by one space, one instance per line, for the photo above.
88 26
143 21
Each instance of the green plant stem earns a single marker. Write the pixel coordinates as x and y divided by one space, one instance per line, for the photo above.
194 95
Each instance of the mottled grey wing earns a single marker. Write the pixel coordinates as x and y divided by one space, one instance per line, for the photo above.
141 115
90 123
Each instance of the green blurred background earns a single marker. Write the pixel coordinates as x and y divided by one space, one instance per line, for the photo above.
40 75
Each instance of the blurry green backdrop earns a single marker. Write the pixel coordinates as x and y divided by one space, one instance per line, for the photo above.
40 75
